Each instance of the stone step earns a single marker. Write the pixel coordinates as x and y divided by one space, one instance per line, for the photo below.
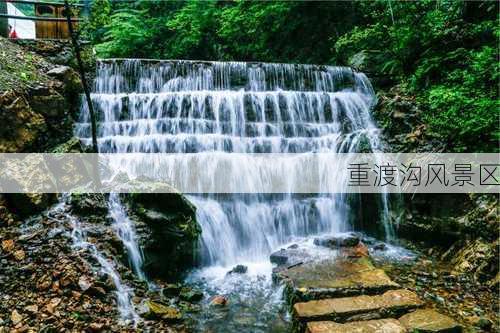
370 326
333 278
429 321
422 320
392 303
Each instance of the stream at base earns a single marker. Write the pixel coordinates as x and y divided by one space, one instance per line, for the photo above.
255 302
180 107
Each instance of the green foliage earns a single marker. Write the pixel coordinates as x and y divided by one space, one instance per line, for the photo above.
127 34
192 31
443 52
95 26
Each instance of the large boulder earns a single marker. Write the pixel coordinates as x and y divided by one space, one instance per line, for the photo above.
68 76
167 230
86 204
22 124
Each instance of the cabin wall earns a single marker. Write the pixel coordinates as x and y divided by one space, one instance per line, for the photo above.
49 29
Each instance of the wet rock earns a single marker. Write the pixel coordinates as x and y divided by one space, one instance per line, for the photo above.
481 322
427 320
238 269
86 204
494 283
279 257
219 301
333 242
191 294
51 105
15 317
171 290
68 76
31 308
44 283
160 311
358 251
8 245
96 327
52 305
19 255
477 257
24 124
166 223
73 145
48 329
291 256
333 278
391 303
380 247
370 326
84 283
189 307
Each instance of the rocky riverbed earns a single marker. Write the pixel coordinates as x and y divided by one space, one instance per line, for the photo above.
61 271
472 303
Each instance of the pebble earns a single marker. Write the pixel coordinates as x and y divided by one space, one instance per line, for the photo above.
15 317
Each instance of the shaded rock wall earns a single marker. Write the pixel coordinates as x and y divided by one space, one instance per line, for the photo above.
39 99
168 232
465 227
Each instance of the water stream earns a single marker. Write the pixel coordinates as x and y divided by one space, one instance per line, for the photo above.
236 107
106 266
125 230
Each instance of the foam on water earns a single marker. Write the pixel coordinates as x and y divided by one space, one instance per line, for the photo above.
237 107
106 266
125 230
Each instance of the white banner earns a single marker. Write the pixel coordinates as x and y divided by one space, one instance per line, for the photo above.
218 172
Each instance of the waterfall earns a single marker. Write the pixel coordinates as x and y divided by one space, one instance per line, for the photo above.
125 230
153 106
78 235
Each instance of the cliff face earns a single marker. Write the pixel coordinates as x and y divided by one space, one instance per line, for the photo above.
38 100
463 227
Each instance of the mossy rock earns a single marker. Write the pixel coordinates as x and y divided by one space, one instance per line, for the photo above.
86 204
28 204
168 231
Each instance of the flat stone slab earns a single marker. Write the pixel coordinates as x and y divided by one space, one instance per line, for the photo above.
429 321
392 303
370 326
341 240
333 278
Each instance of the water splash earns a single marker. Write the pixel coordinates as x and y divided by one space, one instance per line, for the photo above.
227 107
78 235
125 230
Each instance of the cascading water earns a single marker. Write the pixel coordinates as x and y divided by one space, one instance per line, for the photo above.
152 106
189 107
78 236
125 230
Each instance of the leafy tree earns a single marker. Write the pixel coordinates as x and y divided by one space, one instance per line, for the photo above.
443 52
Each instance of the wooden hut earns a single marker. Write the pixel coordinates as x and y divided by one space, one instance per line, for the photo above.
51 29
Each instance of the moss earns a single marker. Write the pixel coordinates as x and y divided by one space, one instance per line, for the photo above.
18 68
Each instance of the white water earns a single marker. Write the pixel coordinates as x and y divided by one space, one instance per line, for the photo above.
125 230
234 107
78 235
190 107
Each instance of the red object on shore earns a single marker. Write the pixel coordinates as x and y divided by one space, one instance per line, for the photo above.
13 34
